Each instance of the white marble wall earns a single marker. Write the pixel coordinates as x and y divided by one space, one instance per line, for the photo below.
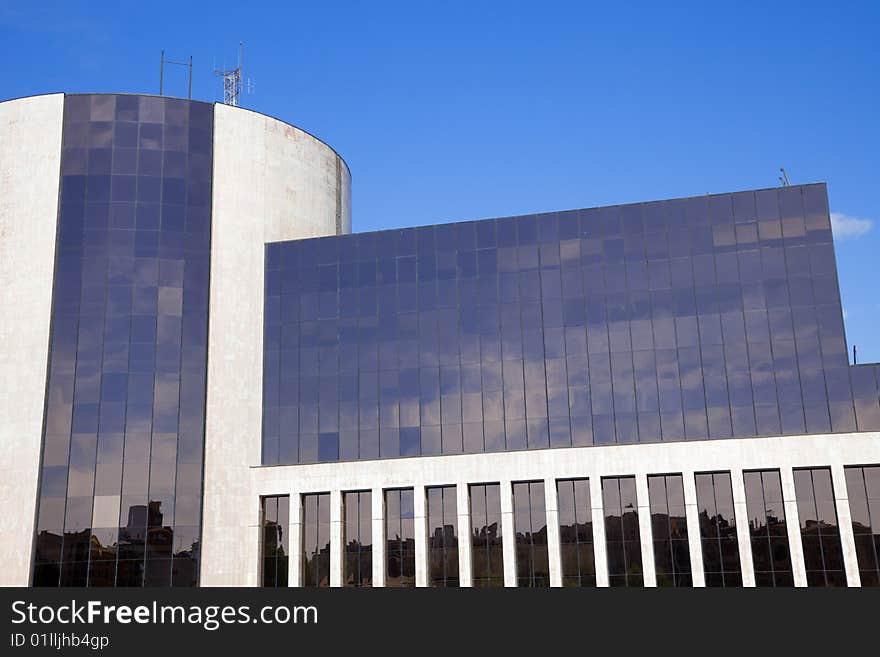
30 166
272 182
783 453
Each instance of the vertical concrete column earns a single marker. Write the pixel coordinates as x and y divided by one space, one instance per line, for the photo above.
336 538
420 525
600 553
793 527
844 522
296 540
30 167
741 517
463 509
647 540
378 498
508 532
695 544
554 554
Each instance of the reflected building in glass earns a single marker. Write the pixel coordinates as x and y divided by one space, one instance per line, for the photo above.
216 383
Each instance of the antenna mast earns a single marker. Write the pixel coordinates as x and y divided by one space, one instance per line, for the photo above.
232 81
784 178
189 65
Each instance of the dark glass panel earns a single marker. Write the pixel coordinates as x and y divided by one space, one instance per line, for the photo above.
622 537
316 540
669 530
769 537
718 535
358 539
820 534
442 537
400 569
486 545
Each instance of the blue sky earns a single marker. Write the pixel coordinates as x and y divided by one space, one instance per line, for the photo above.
463 110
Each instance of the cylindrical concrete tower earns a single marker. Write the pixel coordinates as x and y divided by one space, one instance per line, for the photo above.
132 240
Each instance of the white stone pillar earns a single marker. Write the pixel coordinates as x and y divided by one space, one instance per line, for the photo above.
508 532
336 538
600 552
296 540
420 528
378 537
793 527
743 535
463 509
643 506
844 522
695 543
554 553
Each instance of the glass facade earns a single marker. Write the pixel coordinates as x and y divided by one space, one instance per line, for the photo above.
863 490
275 540
316 540
672 559
530 527
699 318
622 536
121 477
358 539
576 532
770 552
721 564
400 538
487 554
442 537
820 534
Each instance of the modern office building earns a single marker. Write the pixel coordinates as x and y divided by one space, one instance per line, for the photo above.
205 379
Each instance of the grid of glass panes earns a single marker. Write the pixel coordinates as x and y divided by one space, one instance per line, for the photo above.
820 534
316 540
770 551
275 540
706 317
442 536
530 527
400 538
622 537
721 566
358 538
672 559
487 554
576 532
120 500
863 490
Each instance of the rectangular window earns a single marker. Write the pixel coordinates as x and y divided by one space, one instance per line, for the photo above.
820 535
530 525
442 537
622 538
275 523
672 558
576 532
358 540
400 540
316 539
863 488
488 555
770 550
718 530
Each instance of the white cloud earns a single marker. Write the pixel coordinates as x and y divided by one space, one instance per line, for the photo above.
845 226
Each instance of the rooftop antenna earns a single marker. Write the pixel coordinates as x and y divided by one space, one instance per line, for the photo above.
232 81
784 178
189 65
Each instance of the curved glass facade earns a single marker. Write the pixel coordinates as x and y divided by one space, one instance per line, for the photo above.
690 319
121 479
